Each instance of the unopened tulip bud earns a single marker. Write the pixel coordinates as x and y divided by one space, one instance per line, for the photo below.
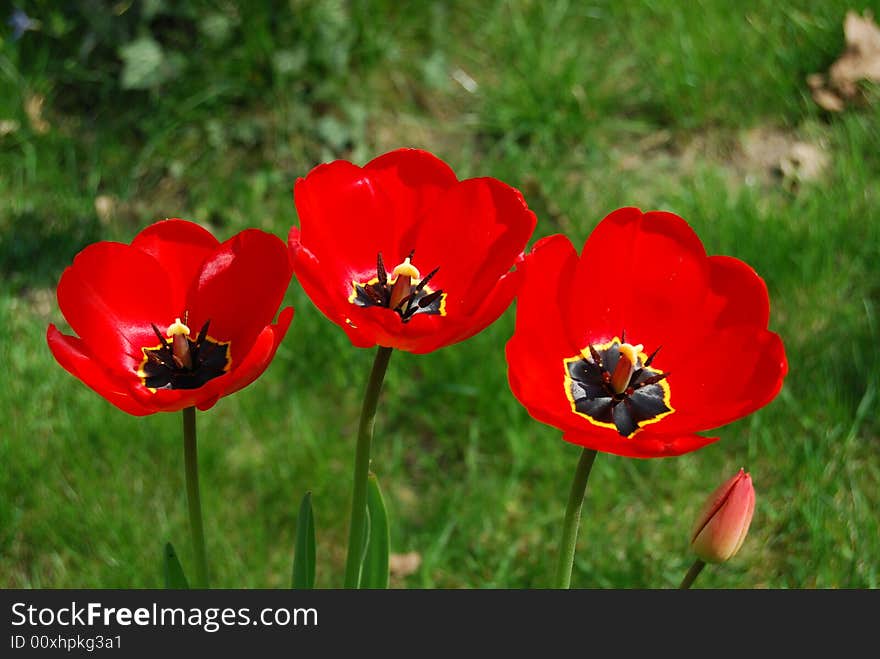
724 521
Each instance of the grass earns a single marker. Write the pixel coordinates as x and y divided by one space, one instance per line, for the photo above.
585 108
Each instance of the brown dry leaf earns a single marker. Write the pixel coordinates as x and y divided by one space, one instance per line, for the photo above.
828 100
33 108
770 152
824 97
403 565
803 162
42 301
860 62
8 126
105 207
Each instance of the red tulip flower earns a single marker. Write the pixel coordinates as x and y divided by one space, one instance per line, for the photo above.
723 523
174 320
402 254
642 341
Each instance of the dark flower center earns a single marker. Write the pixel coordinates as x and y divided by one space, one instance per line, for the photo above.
615 387
179 362
404 291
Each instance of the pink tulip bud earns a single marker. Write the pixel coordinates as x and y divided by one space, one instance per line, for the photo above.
724 521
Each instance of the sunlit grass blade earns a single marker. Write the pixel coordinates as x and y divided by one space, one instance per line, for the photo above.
304 548
374 573
175 579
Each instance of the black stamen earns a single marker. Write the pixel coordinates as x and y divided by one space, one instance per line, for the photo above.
651 358
203 333
426 279
654 379
430 298
588 381
162 369
380 269
376 293
402 303
419 299
158 333
205 350
164 346
156 359
196 347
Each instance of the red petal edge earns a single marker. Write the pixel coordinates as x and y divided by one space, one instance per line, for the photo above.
72 354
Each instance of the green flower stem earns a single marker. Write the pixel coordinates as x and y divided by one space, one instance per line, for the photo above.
573 518
692 574
357 531
197 530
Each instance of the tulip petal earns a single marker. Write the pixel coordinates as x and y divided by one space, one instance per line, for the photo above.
343 222
239 289
181 247
642 273
174 400
738 295
74 356
739 372
248 369
384 327
411 181
539 346
644 444
474 233
110 296
365 326
714 502
325 294
260 356
495 304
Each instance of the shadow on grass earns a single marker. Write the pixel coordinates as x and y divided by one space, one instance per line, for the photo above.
35 249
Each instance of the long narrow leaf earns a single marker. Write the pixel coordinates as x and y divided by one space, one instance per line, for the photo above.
304 547
175 579
366 546
374 573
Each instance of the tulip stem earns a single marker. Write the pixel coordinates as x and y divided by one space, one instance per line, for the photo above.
193 499
357 531
573 518
692 574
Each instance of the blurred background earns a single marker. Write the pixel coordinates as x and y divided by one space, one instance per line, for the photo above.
757 121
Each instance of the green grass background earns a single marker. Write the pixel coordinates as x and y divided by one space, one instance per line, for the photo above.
211 110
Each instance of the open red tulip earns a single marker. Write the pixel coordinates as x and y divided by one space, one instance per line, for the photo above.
174 320
642 341
402 254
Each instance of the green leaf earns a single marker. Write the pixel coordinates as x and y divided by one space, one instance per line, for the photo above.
374 573
175 579
304 548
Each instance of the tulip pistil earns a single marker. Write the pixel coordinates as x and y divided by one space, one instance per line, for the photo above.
182 355
181 362
613 385
404 290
